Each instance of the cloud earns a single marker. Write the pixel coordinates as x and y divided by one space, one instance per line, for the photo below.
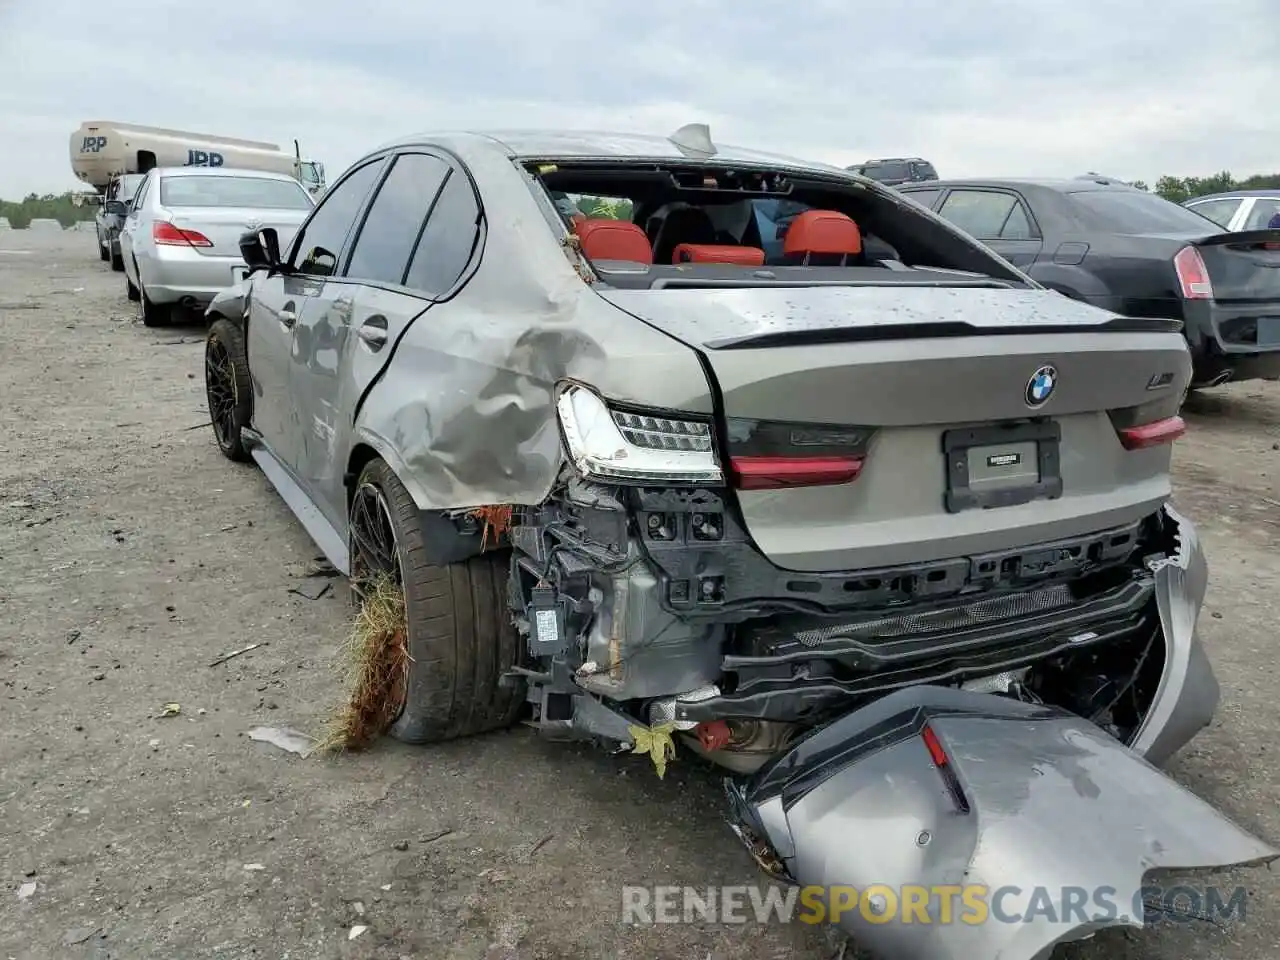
983 87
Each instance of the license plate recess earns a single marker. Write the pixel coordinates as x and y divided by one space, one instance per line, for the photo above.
1002 466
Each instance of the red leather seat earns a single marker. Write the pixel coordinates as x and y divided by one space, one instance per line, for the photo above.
822 236
718 253
605 239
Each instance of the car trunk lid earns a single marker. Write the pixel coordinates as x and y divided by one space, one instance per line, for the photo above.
958 457
933 794
1242 266
223 226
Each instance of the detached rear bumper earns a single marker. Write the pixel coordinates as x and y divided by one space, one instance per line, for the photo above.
1008 827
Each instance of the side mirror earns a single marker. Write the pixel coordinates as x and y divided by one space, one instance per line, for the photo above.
261 249
116 207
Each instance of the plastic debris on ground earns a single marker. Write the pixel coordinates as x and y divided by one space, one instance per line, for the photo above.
286 738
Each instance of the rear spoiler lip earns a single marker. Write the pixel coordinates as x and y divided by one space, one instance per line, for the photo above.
947 328
1243 236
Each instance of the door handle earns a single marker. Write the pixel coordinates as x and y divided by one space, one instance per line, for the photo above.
287 315
373 332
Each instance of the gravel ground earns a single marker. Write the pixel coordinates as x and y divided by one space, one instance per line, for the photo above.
132 555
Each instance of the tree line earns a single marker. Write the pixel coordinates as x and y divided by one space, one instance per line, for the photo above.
60 207
1180 189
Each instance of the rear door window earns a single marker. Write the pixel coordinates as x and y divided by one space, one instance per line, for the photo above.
981 213
1265 210
449 238
926 198
1219 211
395 219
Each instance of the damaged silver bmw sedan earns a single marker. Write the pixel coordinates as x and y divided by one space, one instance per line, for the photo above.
660 439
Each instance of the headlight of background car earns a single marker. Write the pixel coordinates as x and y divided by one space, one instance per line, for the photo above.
631 447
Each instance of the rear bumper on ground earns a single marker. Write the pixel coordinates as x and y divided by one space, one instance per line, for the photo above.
1041 829
175 275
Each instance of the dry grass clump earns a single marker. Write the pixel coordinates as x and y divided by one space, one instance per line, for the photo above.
374 661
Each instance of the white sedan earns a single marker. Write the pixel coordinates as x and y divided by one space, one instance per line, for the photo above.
181 237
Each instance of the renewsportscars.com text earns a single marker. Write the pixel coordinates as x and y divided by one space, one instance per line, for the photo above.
970 904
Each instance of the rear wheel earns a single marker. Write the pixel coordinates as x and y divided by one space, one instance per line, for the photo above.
117 262
103 249
226 387
460 637
130 290
153 314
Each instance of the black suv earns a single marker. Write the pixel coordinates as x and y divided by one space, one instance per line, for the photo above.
897 170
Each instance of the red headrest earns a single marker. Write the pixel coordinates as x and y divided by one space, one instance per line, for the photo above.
822 232
605 239
718 253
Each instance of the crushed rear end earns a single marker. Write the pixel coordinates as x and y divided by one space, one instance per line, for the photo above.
907 564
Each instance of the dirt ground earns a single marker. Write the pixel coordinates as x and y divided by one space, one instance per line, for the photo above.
132 555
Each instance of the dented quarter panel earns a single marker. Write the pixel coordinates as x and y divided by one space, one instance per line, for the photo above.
464 412
230 302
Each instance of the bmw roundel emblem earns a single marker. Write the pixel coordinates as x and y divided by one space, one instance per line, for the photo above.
1040 386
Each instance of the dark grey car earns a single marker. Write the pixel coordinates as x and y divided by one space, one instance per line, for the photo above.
772 463
1131 252
110 221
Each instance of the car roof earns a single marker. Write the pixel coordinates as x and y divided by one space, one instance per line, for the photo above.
893 160
1060 184
234 172
1234 195
592 144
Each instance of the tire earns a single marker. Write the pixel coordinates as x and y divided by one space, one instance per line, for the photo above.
460 635
104 252
117 262
227 388
130 290
153 314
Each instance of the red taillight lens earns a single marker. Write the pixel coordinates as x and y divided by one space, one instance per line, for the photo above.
1193 276
167 235
1152 434
776 473
769 455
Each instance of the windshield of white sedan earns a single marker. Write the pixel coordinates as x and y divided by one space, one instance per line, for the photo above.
682 221
252 192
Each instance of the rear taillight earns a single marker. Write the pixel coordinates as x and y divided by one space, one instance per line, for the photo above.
768 455
943 765
167 235
1193 277
1152 434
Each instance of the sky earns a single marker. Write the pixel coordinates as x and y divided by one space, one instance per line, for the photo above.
980 87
